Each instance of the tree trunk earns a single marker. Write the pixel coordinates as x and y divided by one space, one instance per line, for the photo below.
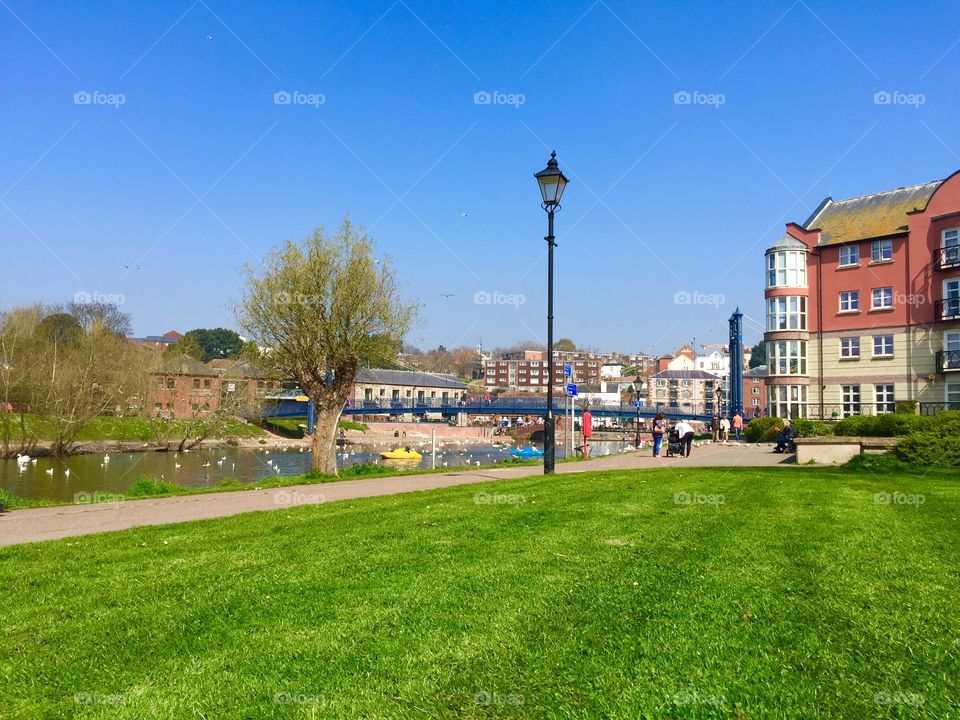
325 438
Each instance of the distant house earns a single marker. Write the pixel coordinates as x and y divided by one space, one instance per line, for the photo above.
687 390
158 342
183 387
755 392
407 386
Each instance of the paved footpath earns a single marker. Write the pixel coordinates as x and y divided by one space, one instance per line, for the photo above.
51 523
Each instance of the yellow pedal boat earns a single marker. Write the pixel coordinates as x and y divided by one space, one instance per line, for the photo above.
401 454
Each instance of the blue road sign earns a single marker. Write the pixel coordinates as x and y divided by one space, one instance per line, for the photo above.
636 403
568 370
571 389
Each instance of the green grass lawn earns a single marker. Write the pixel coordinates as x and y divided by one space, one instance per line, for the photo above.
127 428
680 593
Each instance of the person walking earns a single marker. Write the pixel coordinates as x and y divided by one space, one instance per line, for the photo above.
724 429
737 425
685 433
658 429
715 428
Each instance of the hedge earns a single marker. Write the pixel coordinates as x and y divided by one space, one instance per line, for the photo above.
897 425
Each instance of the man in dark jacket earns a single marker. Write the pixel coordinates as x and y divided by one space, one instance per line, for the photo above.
787 434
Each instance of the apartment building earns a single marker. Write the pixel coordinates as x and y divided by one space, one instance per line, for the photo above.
528 370
863 305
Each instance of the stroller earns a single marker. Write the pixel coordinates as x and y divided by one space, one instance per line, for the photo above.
673 443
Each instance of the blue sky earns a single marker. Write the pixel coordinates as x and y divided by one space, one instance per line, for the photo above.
183 167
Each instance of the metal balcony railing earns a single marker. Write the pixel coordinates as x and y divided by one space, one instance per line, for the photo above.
948 360
947 309
946 258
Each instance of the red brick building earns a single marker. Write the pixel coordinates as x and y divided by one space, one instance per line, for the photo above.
528 371
863 305
186 388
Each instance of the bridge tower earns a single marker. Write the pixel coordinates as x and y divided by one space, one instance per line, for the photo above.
736 363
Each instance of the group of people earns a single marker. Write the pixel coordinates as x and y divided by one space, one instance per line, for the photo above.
682 432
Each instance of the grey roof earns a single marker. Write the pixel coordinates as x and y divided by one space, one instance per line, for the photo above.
685 375
787 242
869 216
414 378
757 372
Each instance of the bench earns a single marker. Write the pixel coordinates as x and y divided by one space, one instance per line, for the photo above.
838 450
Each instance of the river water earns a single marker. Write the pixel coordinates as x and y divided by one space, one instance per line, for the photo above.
75 477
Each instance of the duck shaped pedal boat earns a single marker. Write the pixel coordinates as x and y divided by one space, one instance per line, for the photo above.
401 454
527 453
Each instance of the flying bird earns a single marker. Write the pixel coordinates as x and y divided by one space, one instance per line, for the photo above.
209 37
446 295
463 215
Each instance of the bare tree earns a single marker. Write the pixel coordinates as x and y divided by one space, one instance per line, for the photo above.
322 308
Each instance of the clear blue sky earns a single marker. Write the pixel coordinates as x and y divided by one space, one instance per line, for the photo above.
199 171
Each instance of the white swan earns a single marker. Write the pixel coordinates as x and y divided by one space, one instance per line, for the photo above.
22 459
49 471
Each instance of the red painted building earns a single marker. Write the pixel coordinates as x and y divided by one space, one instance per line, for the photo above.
863 305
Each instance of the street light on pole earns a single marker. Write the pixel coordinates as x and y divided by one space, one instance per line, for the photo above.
552 183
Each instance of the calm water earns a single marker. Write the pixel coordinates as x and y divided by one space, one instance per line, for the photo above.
48 477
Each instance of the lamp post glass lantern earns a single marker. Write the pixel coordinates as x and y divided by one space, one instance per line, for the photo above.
552 183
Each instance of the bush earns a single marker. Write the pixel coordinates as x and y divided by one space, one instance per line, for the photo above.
812 428
885 464
896 425
764 429
147 486
930 448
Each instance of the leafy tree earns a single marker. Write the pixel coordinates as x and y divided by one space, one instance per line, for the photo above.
216 343
564 345
60 329
323 307
186 346
758 355
250 352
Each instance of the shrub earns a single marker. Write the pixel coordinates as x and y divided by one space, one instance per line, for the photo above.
930 448
351 425
764 429
148 486
812 428
895 425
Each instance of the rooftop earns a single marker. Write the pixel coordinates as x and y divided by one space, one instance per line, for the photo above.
415 378
869 216
684 375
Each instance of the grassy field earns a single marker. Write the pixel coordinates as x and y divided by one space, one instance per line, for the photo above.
128 428
687 593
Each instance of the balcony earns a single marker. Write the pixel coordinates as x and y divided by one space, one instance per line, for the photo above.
946 258
947 309
948 360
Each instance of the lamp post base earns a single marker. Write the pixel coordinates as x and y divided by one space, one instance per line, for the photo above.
549 446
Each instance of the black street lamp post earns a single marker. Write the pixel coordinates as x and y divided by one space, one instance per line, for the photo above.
552 183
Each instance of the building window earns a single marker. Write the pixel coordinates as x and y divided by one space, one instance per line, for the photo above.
883 396
850 301
206 384
170 383
756 402
951 300
851 399
787 269
950 251
849 255
160 383
383 392
952 396
787 357
196 383
882 298
883 345
788 401
786 313
756 391
881 251
850 347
